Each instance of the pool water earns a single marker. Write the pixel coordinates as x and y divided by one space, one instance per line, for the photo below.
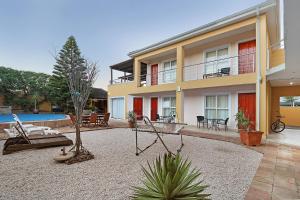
32 117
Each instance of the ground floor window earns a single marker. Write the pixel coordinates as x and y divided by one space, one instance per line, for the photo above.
117 108
216 107
168 106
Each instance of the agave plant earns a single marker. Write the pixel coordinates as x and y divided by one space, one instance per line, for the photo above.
170 178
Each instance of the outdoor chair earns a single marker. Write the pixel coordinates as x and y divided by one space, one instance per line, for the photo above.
85 120
223 123
159 118
201 119
224 71
93 119
73 119
104 121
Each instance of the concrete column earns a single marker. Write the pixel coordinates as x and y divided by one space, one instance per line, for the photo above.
262 84
180 106
179 64
137 72
179 79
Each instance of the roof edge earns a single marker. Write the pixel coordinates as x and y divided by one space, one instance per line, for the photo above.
230 19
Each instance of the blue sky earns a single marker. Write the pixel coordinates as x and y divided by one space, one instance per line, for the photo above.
33 30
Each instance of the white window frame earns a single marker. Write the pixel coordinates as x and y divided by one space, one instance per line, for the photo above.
171 71
215 49
111 106
162 105
216 105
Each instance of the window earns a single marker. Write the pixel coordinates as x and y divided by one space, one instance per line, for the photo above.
216 107
168 106
169 73
117 108
216 60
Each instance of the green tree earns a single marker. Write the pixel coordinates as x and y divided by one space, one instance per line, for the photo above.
68 57
291 100
18 87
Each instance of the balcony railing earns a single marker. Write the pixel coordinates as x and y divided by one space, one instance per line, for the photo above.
228 66
276 54
122 79
161 77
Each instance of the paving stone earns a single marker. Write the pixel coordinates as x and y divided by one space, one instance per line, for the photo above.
284 194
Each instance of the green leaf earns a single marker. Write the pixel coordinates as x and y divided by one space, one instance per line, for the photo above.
170 178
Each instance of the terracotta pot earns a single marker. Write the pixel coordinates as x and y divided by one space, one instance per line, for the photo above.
251 138
131 124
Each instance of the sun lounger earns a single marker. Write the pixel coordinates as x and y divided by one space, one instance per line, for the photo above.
29 128
20 140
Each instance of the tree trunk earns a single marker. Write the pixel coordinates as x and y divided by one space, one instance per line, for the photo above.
78 139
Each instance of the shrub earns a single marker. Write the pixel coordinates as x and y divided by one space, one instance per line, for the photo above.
170 178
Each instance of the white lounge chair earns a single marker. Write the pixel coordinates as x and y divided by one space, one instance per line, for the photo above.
16 118
29 128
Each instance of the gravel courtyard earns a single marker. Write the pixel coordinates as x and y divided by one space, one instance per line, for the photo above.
32 174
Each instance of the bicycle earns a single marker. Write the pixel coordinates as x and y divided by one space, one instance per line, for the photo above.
278 126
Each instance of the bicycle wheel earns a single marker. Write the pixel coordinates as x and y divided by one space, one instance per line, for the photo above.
278 127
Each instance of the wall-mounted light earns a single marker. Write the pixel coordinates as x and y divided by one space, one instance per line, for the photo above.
291 83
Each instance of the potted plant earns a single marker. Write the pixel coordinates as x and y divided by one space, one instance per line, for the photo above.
131 119
248 137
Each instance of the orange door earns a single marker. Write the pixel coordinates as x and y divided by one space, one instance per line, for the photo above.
247 103
154 74
138 107
247 57
153 108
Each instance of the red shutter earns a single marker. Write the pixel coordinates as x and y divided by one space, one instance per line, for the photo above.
247 103
154 74
153 108
247 57
138 107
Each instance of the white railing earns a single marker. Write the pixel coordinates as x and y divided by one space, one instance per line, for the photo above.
221 67
276 46
162 77
122 79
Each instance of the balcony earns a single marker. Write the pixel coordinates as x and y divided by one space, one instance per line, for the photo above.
122 79
228 66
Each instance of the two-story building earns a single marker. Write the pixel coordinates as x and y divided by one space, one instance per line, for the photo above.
212 71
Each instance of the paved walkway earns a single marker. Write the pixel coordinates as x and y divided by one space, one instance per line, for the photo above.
278 175
290 136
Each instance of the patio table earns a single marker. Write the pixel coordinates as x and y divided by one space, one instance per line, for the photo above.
213 122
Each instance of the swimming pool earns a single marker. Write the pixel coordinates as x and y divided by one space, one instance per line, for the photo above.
32 117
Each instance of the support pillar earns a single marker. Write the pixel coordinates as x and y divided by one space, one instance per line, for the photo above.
137 72
261 67
179 79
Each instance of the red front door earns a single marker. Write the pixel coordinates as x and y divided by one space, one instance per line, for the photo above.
153 108
247 57
138 107
154 74
247 103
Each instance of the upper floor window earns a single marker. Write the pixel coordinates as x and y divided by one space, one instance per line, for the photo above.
169 71
216 60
